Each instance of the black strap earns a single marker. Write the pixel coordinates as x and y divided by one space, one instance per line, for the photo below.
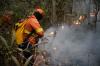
35 36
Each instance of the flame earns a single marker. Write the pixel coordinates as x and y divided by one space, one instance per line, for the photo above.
77 22
54 48
92 14
62 27
51 33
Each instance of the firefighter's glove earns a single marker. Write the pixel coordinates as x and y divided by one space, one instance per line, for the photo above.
32 40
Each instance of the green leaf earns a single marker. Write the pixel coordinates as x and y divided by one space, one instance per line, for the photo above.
15 60
4 42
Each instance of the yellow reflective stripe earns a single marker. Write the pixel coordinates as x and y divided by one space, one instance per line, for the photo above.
39 30
26 31
17 24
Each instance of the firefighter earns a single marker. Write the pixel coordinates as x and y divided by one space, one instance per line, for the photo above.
32 32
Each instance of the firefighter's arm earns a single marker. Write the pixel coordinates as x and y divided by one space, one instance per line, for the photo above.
39 30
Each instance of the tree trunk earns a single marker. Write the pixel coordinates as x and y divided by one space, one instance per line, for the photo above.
53 11
93 15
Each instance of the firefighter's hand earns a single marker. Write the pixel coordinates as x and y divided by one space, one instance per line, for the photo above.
32 40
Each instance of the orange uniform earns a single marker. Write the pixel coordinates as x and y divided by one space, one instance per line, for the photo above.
29 31
31 25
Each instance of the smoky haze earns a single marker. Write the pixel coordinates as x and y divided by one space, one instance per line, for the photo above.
70 46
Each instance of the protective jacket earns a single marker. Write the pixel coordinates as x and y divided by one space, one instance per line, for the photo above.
32 30
33 27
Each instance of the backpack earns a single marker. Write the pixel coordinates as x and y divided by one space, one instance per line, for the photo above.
20 27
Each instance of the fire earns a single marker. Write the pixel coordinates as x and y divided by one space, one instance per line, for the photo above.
51 33
62 27
92 14
77 22
54 48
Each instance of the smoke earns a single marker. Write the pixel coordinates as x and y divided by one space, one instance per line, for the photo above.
70 46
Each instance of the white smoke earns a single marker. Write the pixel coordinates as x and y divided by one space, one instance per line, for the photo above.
68 45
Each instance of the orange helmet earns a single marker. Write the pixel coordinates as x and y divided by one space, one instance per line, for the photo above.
41 11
